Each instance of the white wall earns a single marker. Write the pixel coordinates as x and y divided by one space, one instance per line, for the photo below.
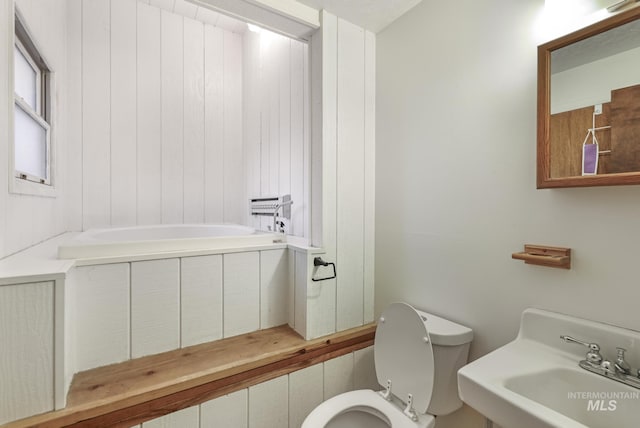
276 124
26 330
455 181
343 170
161 117
26 220
283 402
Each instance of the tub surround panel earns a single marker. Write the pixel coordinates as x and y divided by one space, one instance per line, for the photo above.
96 132
155 306
213 124
123 71
241 293
173 116
274 288
189 112
193 191
201 299
234 200
26 360
276 135
73 156
101 319
148 150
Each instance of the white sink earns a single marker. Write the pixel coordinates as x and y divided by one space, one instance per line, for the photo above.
535 381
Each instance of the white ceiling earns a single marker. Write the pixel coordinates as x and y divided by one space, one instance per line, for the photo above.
203 14
374 15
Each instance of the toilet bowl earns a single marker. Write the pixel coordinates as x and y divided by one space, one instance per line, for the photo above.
417 356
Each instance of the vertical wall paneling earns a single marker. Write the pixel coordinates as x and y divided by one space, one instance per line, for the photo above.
252 108
194 121
172 30
70 328
185 418
101 315
350 175
291 285
268 403
318 129
329 82
149 115
155 306
275 110
338 376
201 299
300 293
227 411
306 138
284 113
369 172
298 169
241 293
270 57
266 85
26 361
305 393
214 125
320 300
73 183
6 18
274 287
96 116
123 112
364 371
235 207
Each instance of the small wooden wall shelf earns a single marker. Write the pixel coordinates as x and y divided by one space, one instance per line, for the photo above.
542 255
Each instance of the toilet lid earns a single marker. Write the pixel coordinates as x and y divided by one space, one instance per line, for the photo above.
403 355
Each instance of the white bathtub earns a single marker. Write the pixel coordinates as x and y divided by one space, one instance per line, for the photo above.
138 240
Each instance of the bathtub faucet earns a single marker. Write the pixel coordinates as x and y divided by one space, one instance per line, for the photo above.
275 215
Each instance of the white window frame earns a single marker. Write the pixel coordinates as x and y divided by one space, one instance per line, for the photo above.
44 115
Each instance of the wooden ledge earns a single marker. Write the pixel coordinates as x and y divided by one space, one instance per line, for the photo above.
125 394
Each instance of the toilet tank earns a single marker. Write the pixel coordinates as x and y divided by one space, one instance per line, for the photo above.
450 343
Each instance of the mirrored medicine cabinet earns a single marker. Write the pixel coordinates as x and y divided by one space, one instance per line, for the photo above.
589 105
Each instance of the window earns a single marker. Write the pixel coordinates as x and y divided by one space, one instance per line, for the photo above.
32 115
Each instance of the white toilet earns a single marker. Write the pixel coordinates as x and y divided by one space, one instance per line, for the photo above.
417 357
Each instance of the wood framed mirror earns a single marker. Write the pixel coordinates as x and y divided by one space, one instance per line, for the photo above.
589 105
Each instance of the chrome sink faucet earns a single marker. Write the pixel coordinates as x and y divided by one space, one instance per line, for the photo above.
593 355
621 366
619 371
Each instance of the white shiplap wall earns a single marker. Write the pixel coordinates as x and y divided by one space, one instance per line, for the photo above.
276 124
283 402
344 152
25 219
27 357
131 309
161 117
